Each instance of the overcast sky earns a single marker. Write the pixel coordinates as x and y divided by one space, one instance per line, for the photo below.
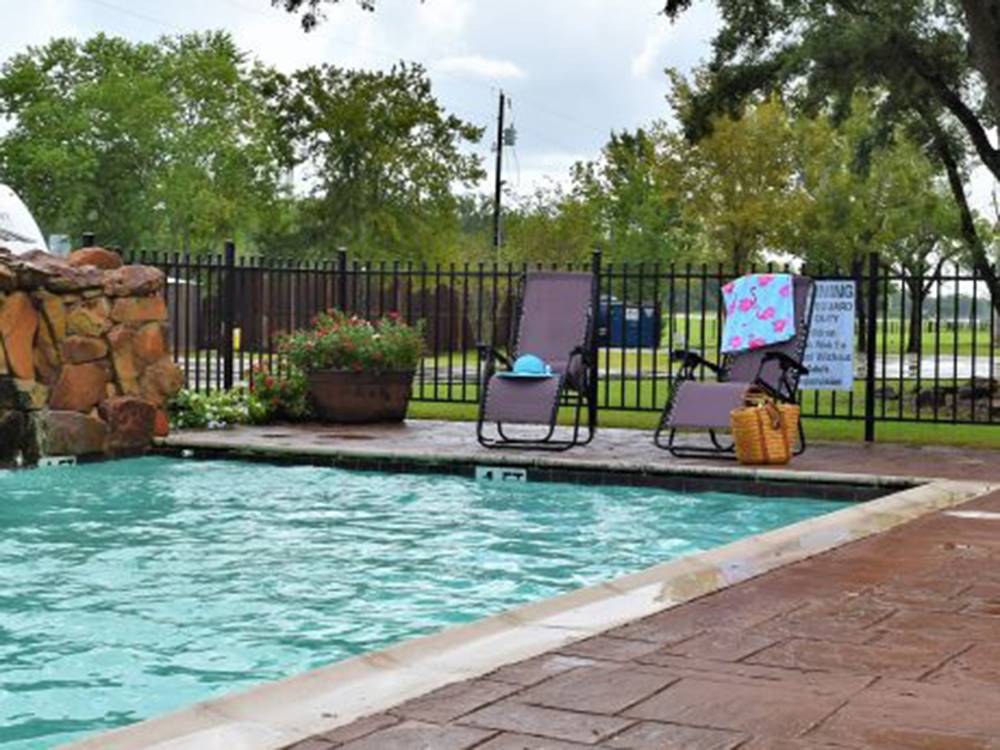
574 69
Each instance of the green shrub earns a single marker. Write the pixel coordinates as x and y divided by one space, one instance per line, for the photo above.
337 341
284 395
215 410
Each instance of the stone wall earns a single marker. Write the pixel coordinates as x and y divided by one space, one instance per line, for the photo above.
84 363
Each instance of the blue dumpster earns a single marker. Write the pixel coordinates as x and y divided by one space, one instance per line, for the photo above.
632 326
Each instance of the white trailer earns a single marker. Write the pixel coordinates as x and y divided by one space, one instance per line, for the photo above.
19 231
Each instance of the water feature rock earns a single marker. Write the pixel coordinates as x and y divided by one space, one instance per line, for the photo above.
139 309
17 438
134 281
64 278
18 324
48 360
123 361
53 312
150 343
8 279
80 387
70 433
95 256
81 342
161 381
34 395
161 423
79 349
91 317
130 423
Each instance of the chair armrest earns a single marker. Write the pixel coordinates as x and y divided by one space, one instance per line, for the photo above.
786 362
488 353
691 359
582 352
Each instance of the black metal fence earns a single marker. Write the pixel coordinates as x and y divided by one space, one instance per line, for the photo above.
926 348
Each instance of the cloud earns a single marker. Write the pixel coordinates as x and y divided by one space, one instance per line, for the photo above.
476 66
677 44
652 52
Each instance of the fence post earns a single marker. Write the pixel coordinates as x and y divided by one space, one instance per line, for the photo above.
595 314
342 279
871 325
228 314
88 240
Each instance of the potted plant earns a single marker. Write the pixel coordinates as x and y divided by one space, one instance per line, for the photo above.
358 370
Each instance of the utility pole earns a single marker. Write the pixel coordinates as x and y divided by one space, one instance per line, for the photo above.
499 178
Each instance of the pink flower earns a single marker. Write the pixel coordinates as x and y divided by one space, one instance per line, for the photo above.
732 308
765 278
728 288
756 343
747 304
785 290
780 325
735 342
766 314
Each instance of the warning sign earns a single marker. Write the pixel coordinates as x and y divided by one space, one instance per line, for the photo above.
830 349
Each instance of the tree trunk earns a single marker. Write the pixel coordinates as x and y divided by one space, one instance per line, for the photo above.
917 296
982 21
860 304
980 260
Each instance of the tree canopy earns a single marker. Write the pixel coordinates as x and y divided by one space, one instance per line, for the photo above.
935 64
381 153
167 144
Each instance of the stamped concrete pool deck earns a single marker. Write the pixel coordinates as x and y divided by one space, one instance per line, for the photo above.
888 642
612 449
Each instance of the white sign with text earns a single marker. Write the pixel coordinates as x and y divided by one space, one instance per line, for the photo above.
830 349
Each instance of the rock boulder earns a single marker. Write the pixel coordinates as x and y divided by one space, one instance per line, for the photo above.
80 387
70 433
97 257
131 422
18 325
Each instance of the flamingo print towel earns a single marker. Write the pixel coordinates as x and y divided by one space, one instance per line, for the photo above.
760 310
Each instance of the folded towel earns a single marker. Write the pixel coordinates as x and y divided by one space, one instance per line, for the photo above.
760 310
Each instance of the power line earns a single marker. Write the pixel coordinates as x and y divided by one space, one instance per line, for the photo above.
135 14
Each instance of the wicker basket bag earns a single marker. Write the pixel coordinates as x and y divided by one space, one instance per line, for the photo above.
764 432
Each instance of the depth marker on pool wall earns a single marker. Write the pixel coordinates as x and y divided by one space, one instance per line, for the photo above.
501 474
46 461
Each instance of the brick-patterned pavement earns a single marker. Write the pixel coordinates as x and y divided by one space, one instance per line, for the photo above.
890 643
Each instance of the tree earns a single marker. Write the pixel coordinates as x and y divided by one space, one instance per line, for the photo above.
636 198
551 225
930 58
149 145
382 156
738 180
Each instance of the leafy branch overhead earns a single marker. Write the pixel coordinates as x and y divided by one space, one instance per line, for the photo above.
311 10
933 64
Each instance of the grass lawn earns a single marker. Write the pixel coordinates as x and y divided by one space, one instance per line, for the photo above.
976 436
979 436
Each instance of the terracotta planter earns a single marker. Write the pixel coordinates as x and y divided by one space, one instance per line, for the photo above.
344 396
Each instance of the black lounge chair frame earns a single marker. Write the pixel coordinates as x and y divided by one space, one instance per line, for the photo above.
783 387
577 386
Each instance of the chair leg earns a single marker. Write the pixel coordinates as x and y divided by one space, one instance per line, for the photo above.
802 440
546 443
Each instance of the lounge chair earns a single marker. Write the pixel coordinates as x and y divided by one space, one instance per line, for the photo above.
698 405
555 323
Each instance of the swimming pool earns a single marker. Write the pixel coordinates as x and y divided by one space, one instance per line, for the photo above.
135 587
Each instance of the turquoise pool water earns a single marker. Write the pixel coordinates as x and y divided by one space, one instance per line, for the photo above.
134 587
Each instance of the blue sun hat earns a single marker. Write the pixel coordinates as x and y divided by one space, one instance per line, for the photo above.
528 366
